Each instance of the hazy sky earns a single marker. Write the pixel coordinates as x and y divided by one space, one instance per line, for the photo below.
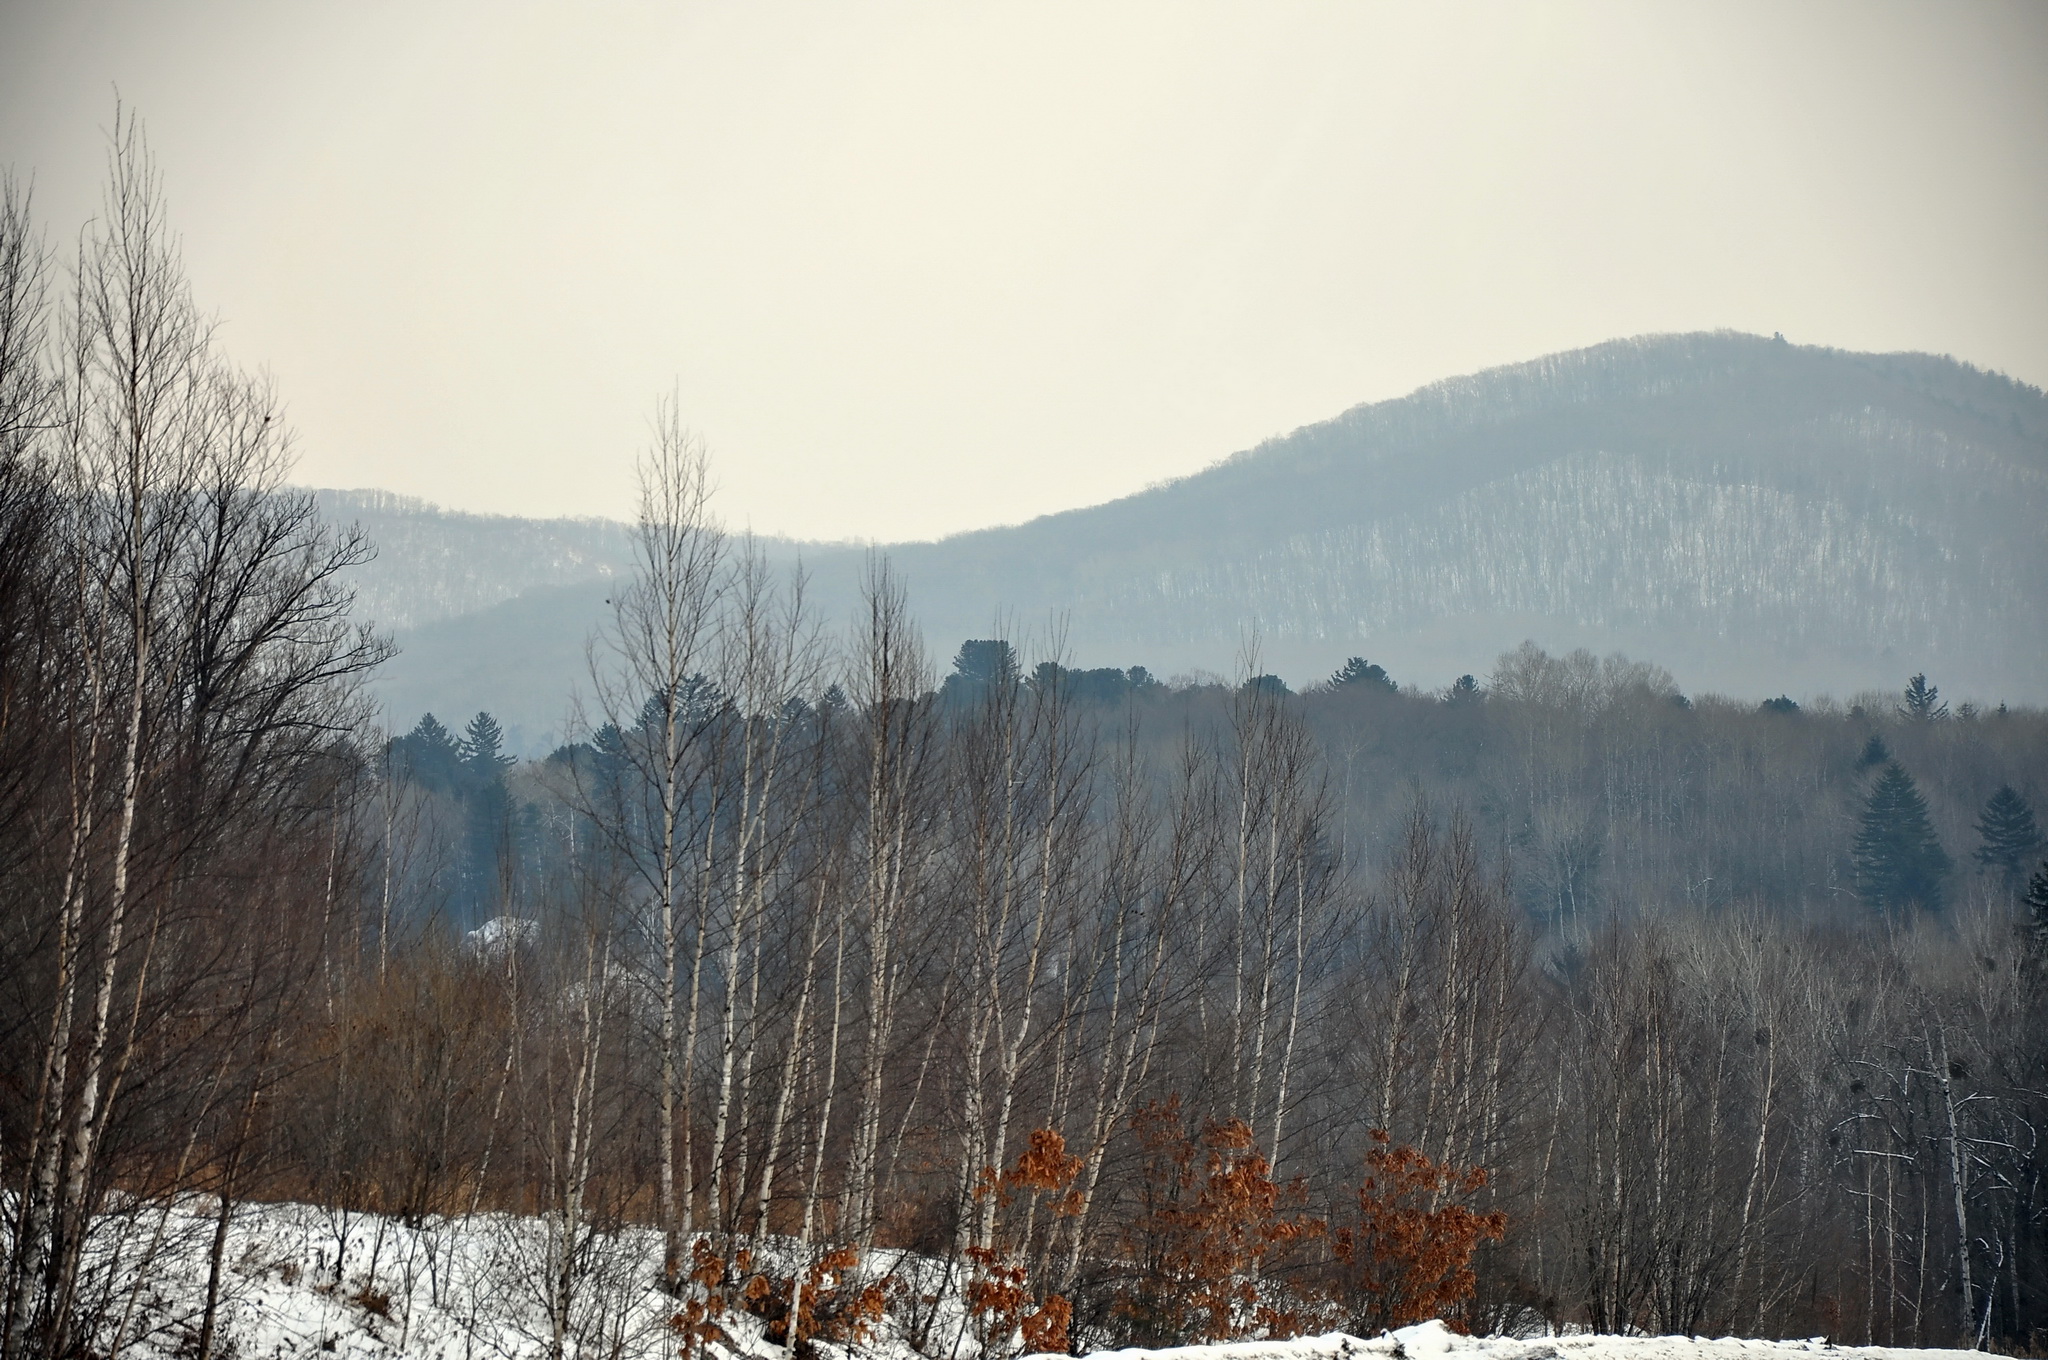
923 268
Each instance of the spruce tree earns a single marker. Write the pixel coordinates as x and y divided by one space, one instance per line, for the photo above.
980 666
2010 835
1359 671
1922 700
1875 752
428 755
481 747
1898 858
488 808
2036 902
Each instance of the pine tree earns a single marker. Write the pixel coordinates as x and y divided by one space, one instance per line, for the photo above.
1898 858
484 887
1875 752
481 746
979 667
2010 835
1923 701
428 755
986 661
2036 903
1359 671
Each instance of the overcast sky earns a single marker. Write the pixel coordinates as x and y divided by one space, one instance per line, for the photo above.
916 269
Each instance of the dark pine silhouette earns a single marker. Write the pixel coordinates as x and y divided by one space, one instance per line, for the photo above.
1922 701
482 747
428 755
2009 836
1899 860
1359 671
2036 902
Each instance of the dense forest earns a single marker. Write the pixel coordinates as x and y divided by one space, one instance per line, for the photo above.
1140 1012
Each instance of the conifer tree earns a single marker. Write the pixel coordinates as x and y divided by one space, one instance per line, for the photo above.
1875 752
428 755
1359 671
1922 701
482 747
2036 903
490 830
2009 833
1898 858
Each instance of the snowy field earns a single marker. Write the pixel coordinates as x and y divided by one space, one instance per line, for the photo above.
299 1280
1433 1339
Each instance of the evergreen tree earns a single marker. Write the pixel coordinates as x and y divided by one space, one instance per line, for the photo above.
1359 671
2036 902
481 748
1103 685
979 665
1781 704
1923 701
491 832
1898 858
988 661
1463 690
2009 833
428 755
697 700
1875 752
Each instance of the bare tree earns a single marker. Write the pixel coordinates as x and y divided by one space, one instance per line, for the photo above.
892 751
214 662
662 636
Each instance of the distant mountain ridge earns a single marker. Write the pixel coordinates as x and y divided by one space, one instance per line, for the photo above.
434 564
1755 515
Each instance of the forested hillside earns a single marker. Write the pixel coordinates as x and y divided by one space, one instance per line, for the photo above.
1758 517
434 564
1750 513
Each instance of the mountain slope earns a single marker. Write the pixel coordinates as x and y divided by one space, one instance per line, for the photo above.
1700 491
1757 516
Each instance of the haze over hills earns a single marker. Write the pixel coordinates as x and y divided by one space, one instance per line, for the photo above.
1758 517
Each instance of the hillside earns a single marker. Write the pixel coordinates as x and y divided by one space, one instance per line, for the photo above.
1755 515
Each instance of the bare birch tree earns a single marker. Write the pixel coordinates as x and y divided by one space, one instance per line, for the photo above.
661 638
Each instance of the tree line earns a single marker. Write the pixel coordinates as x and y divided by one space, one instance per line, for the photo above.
1139 1011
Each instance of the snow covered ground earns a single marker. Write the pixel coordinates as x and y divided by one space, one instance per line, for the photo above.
299 1280
302 1280
1433 1339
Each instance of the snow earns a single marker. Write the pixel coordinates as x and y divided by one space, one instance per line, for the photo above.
1431 1339
491 939
300 1280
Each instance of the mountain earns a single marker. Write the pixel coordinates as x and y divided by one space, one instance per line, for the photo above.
1756 516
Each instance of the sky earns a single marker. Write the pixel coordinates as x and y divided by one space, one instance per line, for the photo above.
915 269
